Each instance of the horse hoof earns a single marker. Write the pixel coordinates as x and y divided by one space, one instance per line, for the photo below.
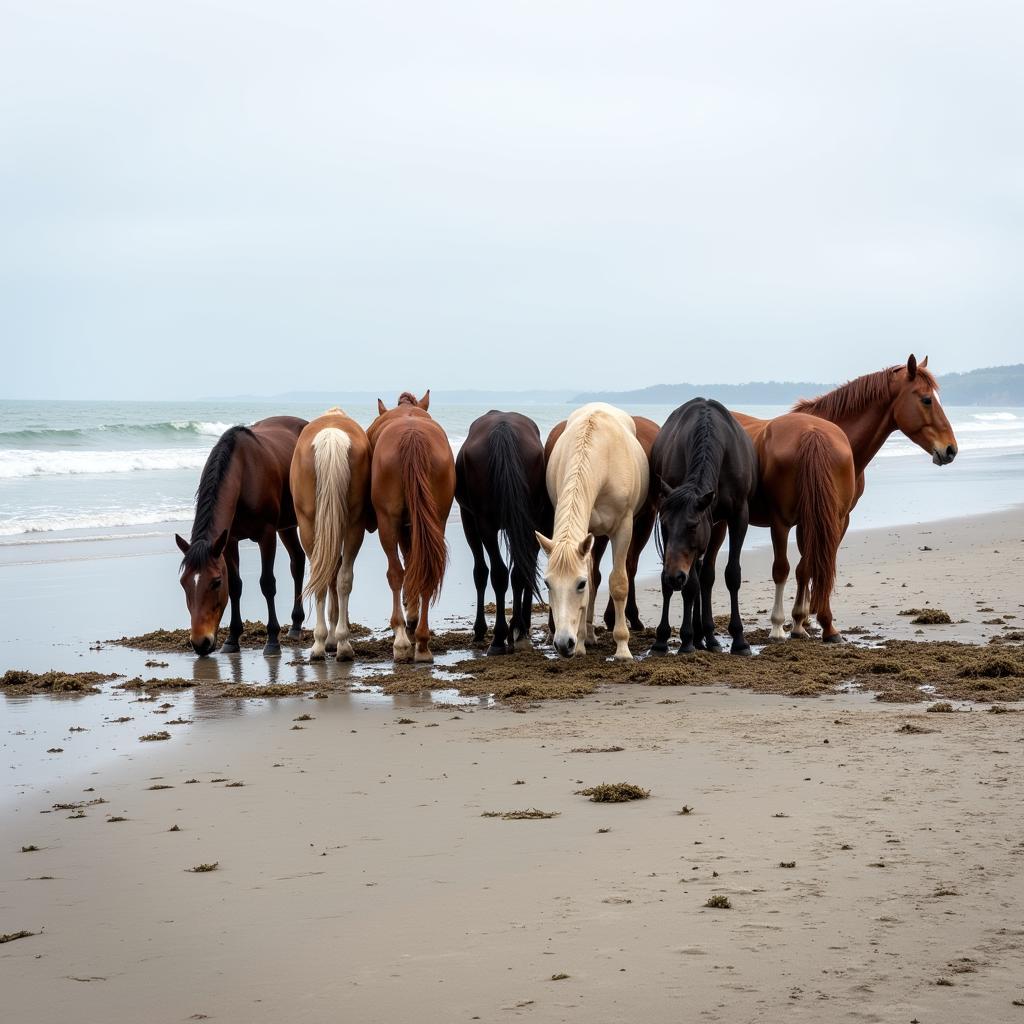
497 649
658 650
345 653
835 638
799 636
776 639
635 626
425 658
742 650
316 655
479 635
687 649
272 651
714 647
622 657
230 647
295 633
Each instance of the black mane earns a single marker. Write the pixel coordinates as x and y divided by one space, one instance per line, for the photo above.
214 472
705 448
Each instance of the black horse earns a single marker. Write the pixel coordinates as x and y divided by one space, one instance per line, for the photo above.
706 473
500 488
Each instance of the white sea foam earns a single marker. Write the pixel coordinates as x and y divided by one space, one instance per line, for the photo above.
25 462
42 523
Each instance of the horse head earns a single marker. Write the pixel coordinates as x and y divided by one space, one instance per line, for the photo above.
567 579
684 519
204 580
919 415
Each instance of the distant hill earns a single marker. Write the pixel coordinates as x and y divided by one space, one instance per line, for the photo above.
994 385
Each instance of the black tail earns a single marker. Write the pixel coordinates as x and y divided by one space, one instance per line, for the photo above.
511 496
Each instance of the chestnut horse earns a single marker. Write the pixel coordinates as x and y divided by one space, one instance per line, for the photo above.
412 488
243 494
330 484
501 489
598 478
643 524
861 413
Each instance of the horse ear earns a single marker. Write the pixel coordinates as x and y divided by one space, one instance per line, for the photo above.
924 363
183 545
381 408
911 367
586 545
705 501
544 542
424 402
218 545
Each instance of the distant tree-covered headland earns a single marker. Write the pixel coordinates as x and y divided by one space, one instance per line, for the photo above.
994 385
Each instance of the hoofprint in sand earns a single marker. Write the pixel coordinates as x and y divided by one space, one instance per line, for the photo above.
357 878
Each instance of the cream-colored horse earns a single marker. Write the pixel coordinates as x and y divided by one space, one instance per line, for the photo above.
330 481
597 477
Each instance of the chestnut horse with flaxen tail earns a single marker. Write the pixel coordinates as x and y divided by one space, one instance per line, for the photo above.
412 489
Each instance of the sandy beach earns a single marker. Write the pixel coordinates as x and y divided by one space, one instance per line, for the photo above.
357 877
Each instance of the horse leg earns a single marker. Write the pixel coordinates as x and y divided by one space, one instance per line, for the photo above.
230 645
319 648
691 596
660 645
733 579
780 573
829 633
388 528
499 582
596 554
801 603
297 564
522 609
472 531
412 601
268 586
353 542
618 584
643 524
707 582
422 653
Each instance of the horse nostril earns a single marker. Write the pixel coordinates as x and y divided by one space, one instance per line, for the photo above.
951 452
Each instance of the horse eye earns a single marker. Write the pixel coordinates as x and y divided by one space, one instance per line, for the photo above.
581 586
215 583
926 400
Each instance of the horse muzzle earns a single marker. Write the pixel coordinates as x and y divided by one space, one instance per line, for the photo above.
202 646
674 581
565 644
943 457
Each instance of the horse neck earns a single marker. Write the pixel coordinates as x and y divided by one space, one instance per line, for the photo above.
225 504
867 430
576 500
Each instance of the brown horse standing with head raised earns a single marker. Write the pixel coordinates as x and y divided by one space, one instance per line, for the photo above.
412 489
243 494
812 463
330 483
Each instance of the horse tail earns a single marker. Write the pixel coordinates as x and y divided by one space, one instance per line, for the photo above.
331 447
510 494
428 555
818 513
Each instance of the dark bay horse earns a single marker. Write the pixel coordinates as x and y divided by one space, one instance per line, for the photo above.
412 489
706 473
643 524
330 484
500 488
243 494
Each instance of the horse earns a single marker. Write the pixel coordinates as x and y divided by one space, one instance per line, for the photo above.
330 485
598 479
707 474
412 489
243 494
643 524
812 474
500 487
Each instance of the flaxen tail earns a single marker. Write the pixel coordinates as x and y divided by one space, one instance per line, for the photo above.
331 448
428 556
821 520
510 495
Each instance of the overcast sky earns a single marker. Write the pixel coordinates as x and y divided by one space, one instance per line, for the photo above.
244 196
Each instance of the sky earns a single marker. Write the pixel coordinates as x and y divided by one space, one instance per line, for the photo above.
253 197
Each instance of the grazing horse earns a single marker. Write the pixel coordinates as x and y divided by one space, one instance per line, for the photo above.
598 478
707 473
412 488
500 488
643 524
243 494
330 483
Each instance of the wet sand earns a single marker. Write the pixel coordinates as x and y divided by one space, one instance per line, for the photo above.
357 878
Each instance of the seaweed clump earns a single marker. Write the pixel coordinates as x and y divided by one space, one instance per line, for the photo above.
21 681
614 792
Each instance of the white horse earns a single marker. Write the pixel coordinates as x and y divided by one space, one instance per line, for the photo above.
597 477
330 481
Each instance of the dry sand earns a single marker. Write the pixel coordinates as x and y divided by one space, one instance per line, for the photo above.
357 878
